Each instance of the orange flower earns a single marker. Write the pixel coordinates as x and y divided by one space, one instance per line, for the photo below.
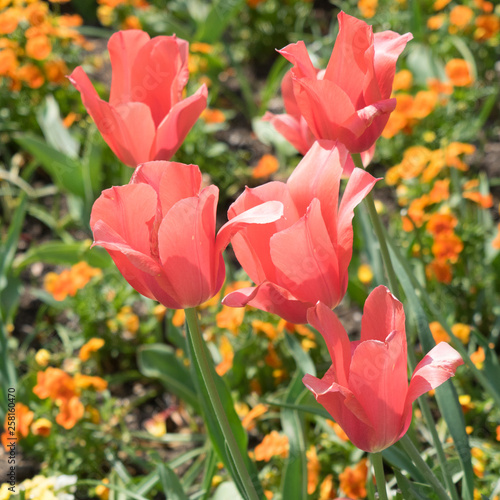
36 13
22 421
436 164
8 61
213 116
87 382
69 281
273 445
478 358
438 332
496 241
483 200
441 223
484 5
55 384
440 270
93 345
128 319
367 8
9 20
447 246
230 318
498 432
440 4
70 412
267 165
415 158
452 152
38 47
440 87
227 353
131 23
487 26
424 103
313 470
248 421
396 123
461 16
338 430
461 331
56 71
102 491
353 480
435 22
69 20
31 75
264 327
402 80
272 359
41 427
459 73
326 491
416 210
179 318
440 191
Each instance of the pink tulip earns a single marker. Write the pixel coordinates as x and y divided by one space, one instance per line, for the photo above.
350 100
160 231
146 117
366 389
303 257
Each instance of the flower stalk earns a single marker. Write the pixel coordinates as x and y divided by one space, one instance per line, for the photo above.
378 466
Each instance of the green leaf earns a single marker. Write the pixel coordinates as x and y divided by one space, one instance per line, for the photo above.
54 131
399 459
294 480
446 394
301 357
227 491
60 253
408 488
424 64
220 15
160 361
64 170
170 483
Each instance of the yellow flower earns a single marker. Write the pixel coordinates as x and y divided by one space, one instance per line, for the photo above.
365 274
42 357
461 331
41 427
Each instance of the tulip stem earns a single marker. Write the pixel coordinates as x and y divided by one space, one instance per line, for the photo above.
379 232
378 466
200 357
422 466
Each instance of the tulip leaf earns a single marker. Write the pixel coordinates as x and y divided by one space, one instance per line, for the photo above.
227 491
294 480
410 492
218 18
60 253
170 483
64 170
398 459
160 361
301 357
446 395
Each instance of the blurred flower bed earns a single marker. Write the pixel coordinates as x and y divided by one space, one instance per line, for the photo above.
106 404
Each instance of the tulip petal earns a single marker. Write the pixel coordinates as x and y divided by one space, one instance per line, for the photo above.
270 211
360 130
437 366
186 244
297 54
294 129
378 379
289 96
318 176
128 211
177 124
382 314
123 48
326 322
128 129
349 67
324 105
159 75
359 185
252 244
388 47
341 404
271 298
306 261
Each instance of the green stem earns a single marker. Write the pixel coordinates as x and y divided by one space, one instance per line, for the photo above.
378 466
204 363
422 466
379 232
